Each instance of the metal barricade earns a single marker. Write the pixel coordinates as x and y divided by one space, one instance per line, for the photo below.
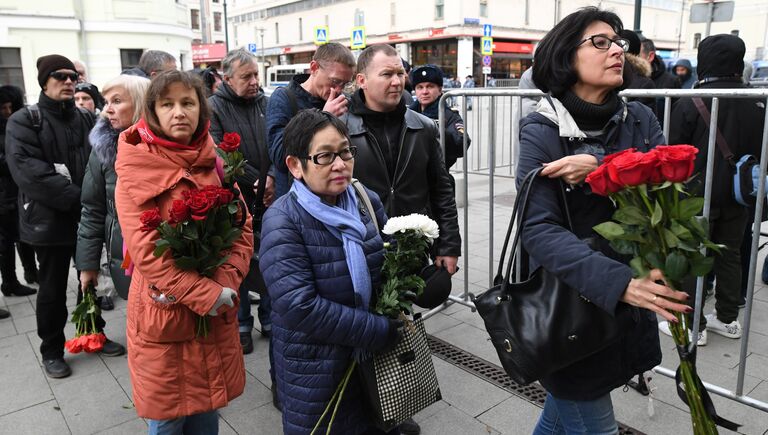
495 153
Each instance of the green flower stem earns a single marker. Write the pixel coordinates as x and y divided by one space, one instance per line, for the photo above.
335 400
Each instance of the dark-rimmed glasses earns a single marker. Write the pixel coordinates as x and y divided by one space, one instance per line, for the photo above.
63 76
327 157
602 42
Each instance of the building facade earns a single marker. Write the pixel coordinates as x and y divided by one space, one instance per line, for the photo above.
443 32
207 22
107 35
749 22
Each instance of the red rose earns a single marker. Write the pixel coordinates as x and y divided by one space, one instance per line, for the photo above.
601 183
629 169
230 143
199 203
225 196
607 159
94 342
150 219
676 161
179 211
74 345
651 158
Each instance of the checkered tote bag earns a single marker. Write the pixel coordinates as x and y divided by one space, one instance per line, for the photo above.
401 382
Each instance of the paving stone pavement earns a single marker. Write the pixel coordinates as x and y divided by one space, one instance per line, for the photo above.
96 399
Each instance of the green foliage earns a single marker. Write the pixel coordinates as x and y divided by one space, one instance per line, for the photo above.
403 261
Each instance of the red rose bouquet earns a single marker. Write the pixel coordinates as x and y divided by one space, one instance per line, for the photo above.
656 223
234 163
200 230
87 337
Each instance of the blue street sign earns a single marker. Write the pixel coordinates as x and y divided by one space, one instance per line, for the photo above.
486 46
252 48
357 40
321 35
486 60
487 28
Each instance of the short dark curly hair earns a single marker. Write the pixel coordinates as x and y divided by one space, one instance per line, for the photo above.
297 138
553 61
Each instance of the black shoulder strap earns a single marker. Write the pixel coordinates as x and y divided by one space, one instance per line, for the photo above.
292 101
36 116
721 143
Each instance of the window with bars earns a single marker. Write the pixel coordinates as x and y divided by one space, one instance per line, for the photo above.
11 72
129 57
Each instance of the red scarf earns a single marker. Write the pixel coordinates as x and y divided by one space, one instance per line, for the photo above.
151 138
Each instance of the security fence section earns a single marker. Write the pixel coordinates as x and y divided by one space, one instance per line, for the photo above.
491 118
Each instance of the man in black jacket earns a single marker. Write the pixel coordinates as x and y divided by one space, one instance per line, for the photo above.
11 101
47 152
239 106
661 78
720 64
428 83
398 151
330 71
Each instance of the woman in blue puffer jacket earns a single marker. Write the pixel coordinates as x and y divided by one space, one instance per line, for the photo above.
321 256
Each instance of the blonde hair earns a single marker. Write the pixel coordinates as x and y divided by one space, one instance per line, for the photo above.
135 86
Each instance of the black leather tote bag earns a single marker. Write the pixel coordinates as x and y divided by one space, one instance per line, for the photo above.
540 325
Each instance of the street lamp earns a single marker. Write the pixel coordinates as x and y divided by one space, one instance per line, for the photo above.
226 27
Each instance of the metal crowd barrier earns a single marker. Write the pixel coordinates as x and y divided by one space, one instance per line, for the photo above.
496 157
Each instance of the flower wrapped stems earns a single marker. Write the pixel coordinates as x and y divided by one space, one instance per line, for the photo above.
657 223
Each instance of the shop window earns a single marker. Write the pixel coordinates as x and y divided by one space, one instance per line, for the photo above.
10 67
439 9
129 57
217 21
484 8
194 19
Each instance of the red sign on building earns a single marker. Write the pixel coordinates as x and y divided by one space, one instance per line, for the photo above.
208 52
512 47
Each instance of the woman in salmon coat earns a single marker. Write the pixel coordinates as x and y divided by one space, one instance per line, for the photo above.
179 379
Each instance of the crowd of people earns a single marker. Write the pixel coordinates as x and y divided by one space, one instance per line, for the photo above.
80 169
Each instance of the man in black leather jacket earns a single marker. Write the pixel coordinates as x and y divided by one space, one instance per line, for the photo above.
47 154
398 152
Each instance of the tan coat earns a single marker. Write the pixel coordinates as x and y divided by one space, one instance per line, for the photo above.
173 372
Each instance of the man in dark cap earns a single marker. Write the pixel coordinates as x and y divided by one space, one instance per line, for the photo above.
88 97
47 151
638 70
720 65
428 83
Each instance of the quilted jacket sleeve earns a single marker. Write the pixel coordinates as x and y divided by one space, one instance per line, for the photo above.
90 232
288 274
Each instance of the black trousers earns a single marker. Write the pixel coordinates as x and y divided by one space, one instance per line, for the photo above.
9 236
726 227
55 265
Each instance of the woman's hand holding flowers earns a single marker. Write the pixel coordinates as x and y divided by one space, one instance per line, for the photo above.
572 169
646 293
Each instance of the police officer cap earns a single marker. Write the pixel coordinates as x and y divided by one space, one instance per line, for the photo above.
427 73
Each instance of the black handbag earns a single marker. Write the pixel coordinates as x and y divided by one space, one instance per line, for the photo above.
540 325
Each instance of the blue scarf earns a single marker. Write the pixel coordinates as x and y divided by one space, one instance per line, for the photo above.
343 221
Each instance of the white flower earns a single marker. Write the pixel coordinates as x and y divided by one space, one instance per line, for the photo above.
415 222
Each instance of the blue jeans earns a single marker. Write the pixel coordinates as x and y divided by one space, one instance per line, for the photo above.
244 316
594 417
206 423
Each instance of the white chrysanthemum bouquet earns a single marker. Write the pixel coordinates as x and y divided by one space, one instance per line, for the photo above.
406 255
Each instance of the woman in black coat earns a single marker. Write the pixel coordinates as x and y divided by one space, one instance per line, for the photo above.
581 64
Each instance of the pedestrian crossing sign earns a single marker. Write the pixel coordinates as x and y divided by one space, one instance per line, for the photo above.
357 40
321 35
486 46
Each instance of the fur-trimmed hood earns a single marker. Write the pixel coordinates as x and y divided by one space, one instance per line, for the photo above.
642 66
103 139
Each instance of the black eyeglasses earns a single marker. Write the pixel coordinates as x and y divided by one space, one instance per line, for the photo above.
602 42
327 157
62 76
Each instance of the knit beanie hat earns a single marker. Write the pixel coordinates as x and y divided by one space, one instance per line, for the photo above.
93 91
721 56
48 64
634 41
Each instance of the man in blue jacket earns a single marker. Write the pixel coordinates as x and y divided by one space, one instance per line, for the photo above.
330 71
